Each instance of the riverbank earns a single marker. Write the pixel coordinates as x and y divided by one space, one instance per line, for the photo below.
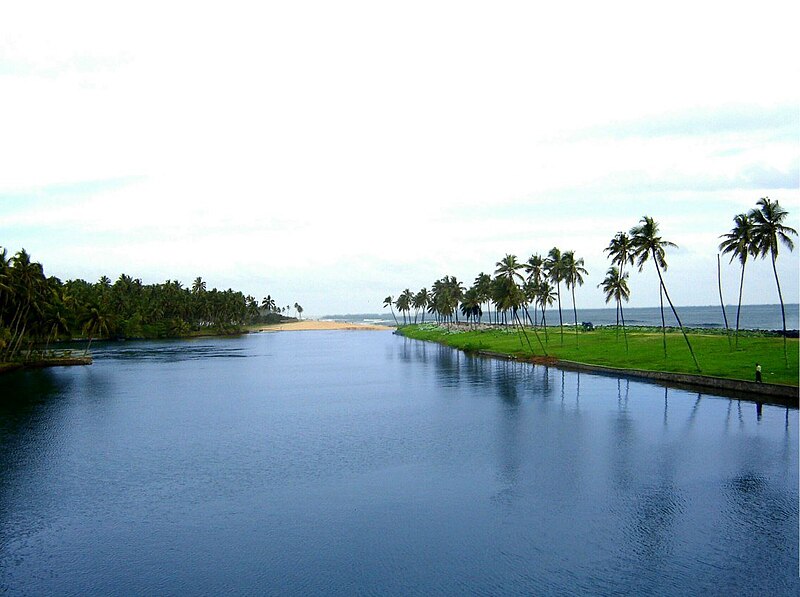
723 367
313 324
46 362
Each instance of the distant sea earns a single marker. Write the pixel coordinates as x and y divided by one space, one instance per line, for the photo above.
754 317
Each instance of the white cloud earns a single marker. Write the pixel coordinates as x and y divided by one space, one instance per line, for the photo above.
363 144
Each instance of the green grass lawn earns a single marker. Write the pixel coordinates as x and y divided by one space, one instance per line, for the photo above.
603 346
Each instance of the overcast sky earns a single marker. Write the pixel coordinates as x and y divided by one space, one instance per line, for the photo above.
333 153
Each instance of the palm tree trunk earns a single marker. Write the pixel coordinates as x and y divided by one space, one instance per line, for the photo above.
739 305
722 303
560 318
624 333
575 314
544 325
663 325
783 311
675 313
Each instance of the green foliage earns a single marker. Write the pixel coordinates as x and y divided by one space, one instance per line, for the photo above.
602 347
36 310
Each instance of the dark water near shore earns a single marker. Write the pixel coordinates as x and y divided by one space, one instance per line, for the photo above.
752 317
365 463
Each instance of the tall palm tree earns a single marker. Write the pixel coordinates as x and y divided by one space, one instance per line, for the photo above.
647 244
555 272
740 242
545 295
389 302
769 233
615 285
508 267
620 250
573 276
483 285
403 303
420 301
534 268
198 286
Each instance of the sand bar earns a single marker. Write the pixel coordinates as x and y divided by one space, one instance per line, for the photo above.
313 324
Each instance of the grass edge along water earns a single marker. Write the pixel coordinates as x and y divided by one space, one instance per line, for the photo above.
606 346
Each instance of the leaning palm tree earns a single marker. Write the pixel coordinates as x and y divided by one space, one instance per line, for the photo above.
553 267
389 302
615 285
573 276
740 242
769 233
545 295
648 243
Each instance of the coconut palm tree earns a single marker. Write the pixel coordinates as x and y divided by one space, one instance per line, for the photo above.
573 276
545 295
403 303
620 250
615 285
420 301
483 285
740 242
769 233
647 243
389 302
554 269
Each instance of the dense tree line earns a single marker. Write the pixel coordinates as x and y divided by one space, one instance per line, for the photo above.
37 310
521 292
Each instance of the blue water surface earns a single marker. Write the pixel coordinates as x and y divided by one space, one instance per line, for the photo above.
365 463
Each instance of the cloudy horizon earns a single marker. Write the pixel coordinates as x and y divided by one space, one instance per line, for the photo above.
334 155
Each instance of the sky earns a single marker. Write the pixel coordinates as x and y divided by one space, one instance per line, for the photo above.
334 153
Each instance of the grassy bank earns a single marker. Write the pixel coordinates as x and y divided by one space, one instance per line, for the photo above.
603 346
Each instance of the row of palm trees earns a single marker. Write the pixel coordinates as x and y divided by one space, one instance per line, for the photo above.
517 287
269 305
37 309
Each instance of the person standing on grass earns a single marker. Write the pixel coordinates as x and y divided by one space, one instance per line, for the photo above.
758 373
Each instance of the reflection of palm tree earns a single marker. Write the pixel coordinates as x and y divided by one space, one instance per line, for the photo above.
769 233
648 244
615 286
739 242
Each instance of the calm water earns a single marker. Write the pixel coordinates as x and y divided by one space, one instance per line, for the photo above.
365 463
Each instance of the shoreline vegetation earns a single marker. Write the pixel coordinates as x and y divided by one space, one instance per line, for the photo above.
521 293
39 313
604 349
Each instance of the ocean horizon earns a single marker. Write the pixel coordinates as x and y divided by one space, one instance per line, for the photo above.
753 317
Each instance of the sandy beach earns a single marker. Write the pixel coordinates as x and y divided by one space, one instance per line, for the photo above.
312 324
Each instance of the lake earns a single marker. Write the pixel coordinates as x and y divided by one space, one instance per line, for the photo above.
366 463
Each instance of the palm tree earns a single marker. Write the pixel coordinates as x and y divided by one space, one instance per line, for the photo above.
95 323
198 286
573 276
615 285
268 303
769 233
545 295
403 303
647 243
388 302
534 267
554 269
740 242
420 301
621 250
483 285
